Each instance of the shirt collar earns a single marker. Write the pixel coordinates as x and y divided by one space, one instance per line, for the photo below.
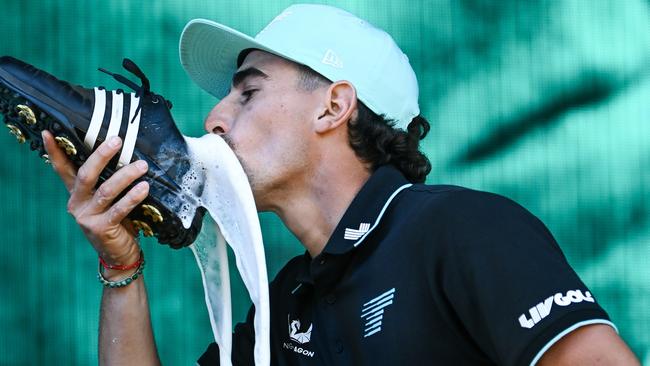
366 210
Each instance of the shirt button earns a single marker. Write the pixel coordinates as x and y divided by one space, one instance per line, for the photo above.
338 346
322 261
331 299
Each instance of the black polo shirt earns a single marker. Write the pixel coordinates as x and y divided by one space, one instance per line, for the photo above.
420 274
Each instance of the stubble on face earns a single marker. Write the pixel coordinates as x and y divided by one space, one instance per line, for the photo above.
247 170
272 133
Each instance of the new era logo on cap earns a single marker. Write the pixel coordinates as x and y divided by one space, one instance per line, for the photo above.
332 59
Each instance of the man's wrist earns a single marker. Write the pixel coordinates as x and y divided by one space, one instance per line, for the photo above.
132 255
121 267
120 276
117 275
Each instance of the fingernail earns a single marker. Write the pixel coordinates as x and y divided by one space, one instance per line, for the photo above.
114 141
141 165
141 186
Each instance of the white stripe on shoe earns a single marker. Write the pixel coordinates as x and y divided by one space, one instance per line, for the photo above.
96 120
116 115
131 132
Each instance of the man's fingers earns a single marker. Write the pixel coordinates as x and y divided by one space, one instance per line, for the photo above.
126 204
88 173
59 160
118 182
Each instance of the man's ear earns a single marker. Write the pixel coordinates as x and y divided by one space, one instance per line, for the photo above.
340 102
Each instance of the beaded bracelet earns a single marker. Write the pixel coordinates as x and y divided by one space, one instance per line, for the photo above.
122 267
121 283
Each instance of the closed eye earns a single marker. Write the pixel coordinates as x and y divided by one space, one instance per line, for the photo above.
247 95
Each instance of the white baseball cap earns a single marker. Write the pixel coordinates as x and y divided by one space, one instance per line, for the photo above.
331 41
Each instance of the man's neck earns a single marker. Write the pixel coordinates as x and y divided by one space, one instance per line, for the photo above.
313 212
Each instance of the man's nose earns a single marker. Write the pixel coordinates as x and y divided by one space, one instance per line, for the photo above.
216 121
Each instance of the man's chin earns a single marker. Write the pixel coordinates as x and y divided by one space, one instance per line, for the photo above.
233 147
251 178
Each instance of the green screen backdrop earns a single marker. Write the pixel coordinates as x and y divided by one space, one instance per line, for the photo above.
546 102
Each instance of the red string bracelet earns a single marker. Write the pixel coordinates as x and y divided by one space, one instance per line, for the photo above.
122 267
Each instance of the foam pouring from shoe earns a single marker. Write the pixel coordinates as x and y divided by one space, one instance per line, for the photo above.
228 198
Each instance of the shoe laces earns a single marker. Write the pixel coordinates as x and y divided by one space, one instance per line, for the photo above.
142 89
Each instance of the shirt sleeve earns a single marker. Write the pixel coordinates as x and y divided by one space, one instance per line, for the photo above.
243 341
507 280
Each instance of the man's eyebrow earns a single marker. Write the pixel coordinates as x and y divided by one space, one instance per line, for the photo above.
249 72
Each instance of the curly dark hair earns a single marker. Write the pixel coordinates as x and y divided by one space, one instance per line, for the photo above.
375 140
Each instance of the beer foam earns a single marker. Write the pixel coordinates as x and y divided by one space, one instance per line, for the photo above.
191 184
218 182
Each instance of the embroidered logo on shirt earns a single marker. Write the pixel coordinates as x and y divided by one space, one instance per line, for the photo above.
297 336
354 234
294 334
542 309
373 312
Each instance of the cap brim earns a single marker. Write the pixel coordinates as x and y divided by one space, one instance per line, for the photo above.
209 51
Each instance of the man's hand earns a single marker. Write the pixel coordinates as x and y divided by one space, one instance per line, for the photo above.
125 334
102 221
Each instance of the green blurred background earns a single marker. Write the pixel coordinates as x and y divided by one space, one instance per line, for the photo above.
546 102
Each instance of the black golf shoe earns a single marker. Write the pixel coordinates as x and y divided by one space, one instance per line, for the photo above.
32 100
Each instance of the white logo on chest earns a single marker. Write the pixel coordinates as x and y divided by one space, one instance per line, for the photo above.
295 335
354 234
373 312
300 337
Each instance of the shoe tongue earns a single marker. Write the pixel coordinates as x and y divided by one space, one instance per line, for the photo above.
159 137
228 198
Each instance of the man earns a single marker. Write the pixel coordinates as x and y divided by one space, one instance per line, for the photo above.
327 125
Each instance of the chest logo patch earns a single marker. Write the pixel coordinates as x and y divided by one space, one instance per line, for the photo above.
354 234
298 336
372 312
295 334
